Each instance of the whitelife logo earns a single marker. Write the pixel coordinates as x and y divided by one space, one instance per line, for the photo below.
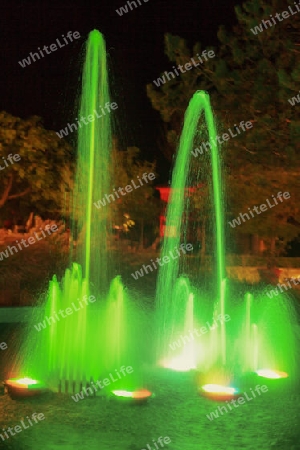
127 188
36 417
274 292
165 260
294 100
188 66
68 311
263 207
16 157
203 330
207 145
53 48
105 381
73 127
3 345
124 9
241 401
161 441
268 24
31 240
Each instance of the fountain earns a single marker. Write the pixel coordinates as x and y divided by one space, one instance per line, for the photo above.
94 339
261 334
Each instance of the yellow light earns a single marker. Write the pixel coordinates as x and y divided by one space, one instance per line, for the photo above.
179 364
26 381
143 393
273 374
121 393
138 395
218 389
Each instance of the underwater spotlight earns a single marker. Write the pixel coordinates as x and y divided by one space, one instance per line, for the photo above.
271 374
178 364
24 387
218 392
141 395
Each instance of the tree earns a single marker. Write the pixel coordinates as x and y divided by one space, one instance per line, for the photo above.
250 79
140 205
41 173
172 98
256 75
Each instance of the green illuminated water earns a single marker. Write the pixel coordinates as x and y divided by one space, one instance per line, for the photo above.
259 332
93 179
93 340
176 226
108 331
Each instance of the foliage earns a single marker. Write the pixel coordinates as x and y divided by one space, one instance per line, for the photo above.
250 79
140 203
43 175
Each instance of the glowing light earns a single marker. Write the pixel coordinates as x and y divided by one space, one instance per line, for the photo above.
121 393
23 383
24 387
138 395
142 393
26 381
218 389
268 373
182 363
178 366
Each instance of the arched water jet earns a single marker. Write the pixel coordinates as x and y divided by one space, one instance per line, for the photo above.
168 273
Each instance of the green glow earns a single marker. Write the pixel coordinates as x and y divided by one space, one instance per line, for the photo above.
93 167
185 357
92 48
99 338
262 332
168 312
179 364
93 340
88 344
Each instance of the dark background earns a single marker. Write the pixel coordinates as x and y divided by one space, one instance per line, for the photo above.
135 42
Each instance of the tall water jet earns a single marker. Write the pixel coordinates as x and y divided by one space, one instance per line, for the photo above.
168 273
62 351
93 167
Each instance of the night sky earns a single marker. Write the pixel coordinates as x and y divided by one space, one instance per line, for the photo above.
135 42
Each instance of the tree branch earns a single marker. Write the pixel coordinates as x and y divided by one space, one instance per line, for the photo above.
19 195
6 191
6 196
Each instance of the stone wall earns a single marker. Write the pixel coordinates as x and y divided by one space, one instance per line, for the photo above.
254 274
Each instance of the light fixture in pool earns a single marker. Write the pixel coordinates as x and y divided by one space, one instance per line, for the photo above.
24 387
139 395
218 392
179 364
23 382
271 374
